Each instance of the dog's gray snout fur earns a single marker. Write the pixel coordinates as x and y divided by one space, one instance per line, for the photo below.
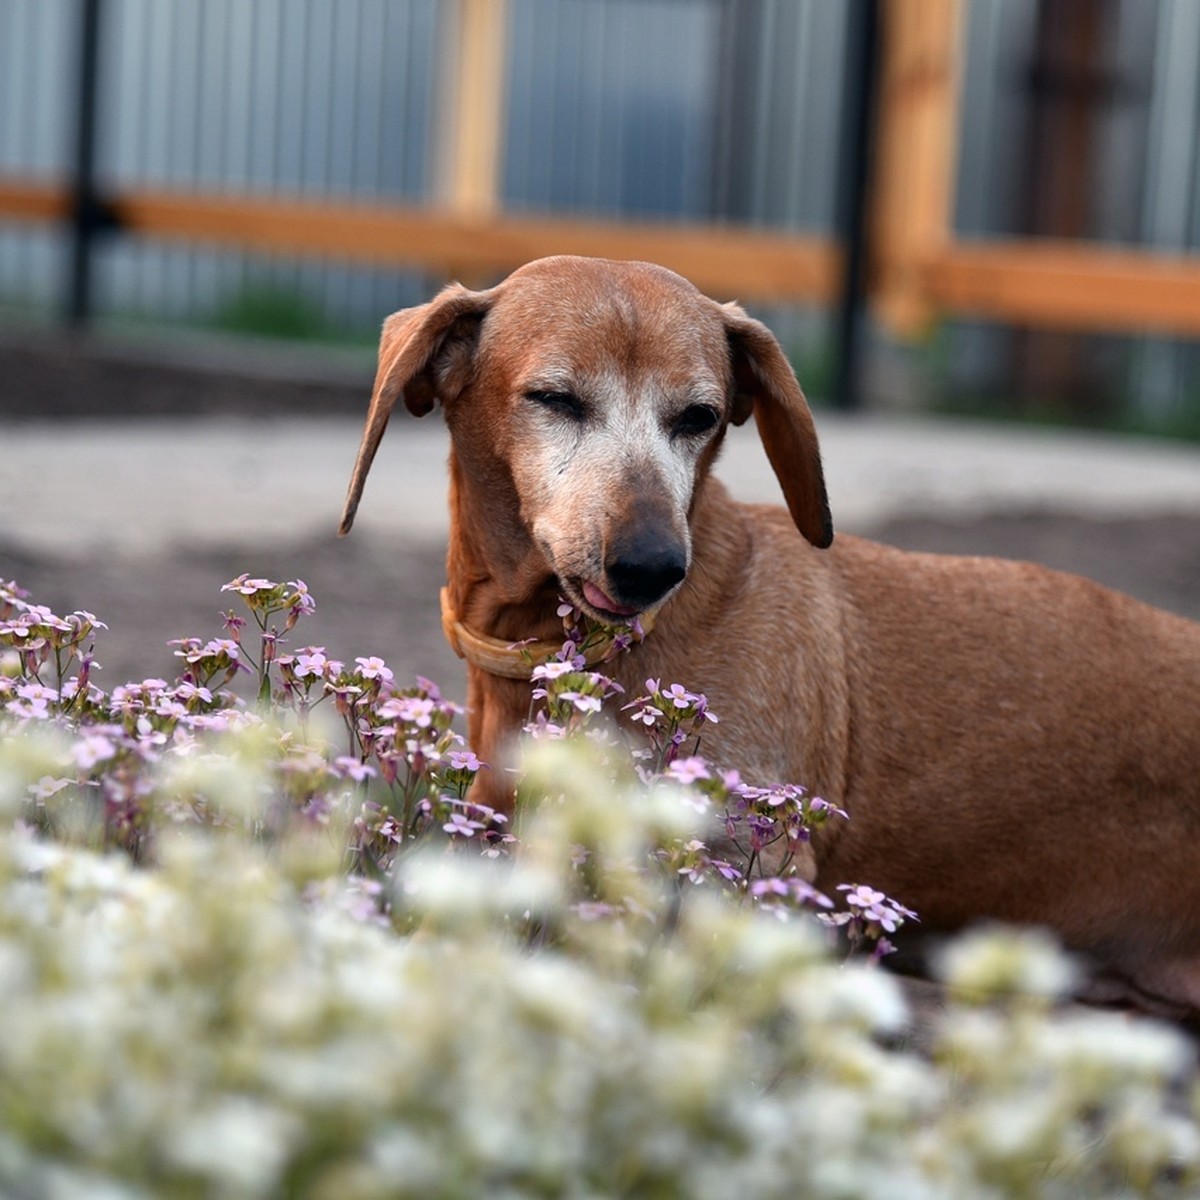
645 568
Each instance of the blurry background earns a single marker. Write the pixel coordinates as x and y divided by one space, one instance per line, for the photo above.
897 136
973 207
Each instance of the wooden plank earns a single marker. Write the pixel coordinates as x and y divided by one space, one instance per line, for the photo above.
1072 285
1069 285
471 125
24 200
913 192
727 261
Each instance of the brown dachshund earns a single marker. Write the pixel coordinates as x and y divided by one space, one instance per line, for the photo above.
1009 742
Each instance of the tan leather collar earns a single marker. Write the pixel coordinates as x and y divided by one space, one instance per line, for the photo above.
507 659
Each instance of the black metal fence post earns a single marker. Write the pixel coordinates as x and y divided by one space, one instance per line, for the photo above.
89 215
854 183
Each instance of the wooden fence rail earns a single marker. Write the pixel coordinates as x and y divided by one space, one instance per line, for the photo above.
752 264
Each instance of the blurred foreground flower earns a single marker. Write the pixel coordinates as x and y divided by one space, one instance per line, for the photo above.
343 977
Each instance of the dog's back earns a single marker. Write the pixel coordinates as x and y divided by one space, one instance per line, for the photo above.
1018 743
1024 741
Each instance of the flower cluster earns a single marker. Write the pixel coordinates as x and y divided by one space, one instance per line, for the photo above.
613 1008
115 777
670 716
756 835
566 695
868 918
40 648
592 641
347 749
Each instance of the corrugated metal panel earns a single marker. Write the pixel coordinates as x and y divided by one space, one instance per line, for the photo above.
693 108
36 69
324 97
609 106
612 109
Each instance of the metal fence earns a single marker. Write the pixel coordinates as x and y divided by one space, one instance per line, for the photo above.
611 111
696 110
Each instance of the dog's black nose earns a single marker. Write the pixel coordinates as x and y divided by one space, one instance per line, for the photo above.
645 569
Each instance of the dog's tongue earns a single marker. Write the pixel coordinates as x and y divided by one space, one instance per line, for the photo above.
598 599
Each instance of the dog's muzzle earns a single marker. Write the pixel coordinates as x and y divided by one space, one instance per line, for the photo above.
644 568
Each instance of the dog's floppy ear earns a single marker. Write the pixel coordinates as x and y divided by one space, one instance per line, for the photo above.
765 384
425 353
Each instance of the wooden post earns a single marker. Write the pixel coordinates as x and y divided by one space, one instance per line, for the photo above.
470 129
1069 82
918 132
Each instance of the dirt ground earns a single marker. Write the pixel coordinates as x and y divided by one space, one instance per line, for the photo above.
379 598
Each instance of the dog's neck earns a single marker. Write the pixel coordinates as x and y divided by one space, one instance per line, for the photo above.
498 584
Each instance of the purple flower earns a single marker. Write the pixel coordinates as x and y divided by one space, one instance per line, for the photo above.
310 662
414 710
374 668
460 824
792 888
463 760
92 749
11 593
85 621
726 870
884 917
835 919
859 896
39 615
647 714
33 702
190 645
246 586
301 602
882 949
808 894
189 692
689 770
349 767
37 693
344 695
768 887
865 906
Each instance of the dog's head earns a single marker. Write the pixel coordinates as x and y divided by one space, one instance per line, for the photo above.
593 397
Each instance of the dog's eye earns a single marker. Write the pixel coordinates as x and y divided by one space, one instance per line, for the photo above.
564 403
695 419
